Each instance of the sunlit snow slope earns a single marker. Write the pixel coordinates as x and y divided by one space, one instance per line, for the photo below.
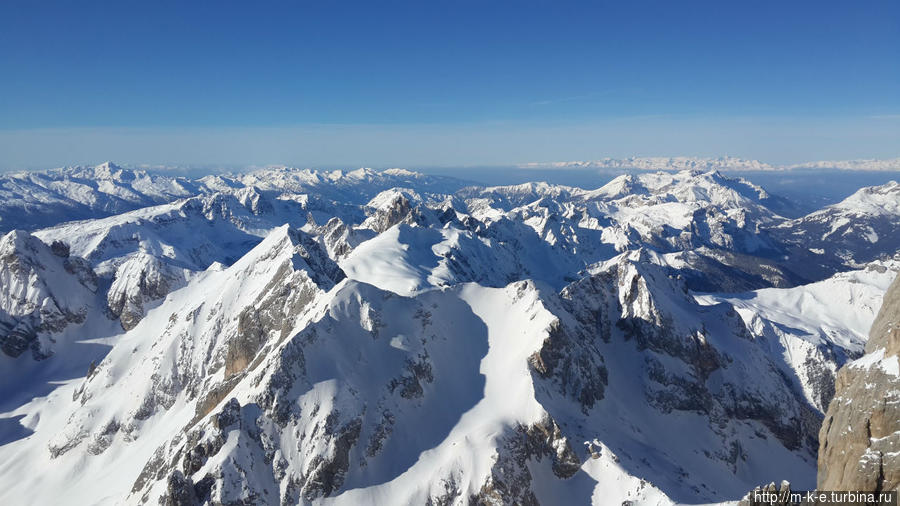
295 337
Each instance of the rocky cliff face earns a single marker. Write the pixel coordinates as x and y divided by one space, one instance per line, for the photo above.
44 290
140 279
860 437
686 359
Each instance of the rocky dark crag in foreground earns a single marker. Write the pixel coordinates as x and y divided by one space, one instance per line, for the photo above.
859 442
860 436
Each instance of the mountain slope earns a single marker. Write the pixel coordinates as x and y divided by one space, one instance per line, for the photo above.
862 228
291 336
818 327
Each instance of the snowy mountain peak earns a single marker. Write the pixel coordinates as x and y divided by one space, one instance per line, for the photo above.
296 248
874 200
622 186
708 187
402 172
108 168
389 198
17 241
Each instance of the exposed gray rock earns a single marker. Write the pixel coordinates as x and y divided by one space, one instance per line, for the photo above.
141 279
391 212
769 495
44 291
574 370
639 302
510 481
860 437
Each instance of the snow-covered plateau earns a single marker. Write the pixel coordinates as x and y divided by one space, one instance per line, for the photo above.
293 336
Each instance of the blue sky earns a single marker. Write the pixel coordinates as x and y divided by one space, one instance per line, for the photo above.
445 83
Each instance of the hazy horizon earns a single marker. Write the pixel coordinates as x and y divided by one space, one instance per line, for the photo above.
410 84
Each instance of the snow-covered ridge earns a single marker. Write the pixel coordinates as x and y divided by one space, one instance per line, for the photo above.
30 200
862 228
874 200
494 234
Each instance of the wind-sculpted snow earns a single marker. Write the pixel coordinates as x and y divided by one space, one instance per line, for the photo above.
291 336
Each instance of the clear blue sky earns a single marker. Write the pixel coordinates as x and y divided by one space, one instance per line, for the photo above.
446 82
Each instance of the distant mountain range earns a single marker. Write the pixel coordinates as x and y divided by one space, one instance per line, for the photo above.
725 163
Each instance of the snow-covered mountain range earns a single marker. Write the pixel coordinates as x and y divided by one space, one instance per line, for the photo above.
386 337
722 163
